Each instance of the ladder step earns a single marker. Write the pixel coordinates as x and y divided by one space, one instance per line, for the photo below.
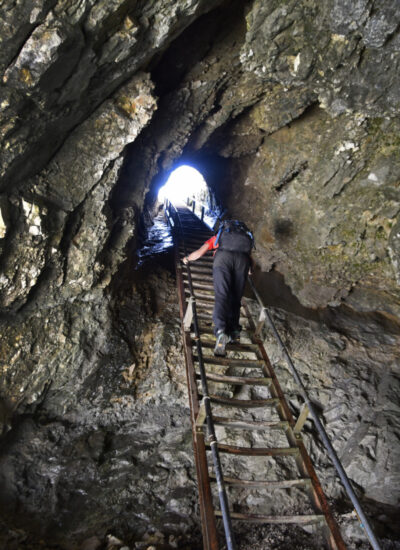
249 424
204 317
201 270
245 348
244 403
256 451
199 264
286 484
198 270
202 286
194 243
257 518
204 260
205 305
204 329
230 362
237 380
201 297
198 277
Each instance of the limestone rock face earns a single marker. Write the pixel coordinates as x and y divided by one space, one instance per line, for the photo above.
62 60
291 111
327 209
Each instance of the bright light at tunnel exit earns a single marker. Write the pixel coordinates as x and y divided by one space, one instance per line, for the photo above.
183 182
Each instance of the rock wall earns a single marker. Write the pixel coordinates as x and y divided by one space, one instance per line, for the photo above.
291 111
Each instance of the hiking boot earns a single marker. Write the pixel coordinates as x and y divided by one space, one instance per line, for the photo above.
222 340
234 337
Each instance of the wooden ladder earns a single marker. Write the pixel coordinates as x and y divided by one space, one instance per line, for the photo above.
246 370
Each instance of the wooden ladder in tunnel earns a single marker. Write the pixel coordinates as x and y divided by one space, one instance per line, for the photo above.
255 372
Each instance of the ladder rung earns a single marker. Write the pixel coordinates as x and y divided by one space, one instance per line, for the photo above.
209 330
202 276
249 424
231 362
285 484
200 297
203 286
245 403
238 380
200 284
200 271
206 330
204 317
195 244
257 518
195 277
195 263
248 348
256 451
204 305
203 260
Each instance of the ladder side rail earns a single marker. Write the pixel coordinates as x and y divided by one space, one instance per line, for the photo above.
303 461
189 199
203 209
209 420
320 428
209 528
208 521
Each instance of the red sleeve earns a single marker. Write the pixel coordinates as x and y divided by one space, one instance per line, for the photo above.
211 243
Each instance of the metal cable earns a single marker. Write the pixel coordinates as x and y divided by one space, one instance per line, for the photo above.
320 428
207 405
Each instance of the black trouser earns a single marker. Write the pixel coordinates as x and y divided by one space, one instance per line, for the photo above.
229 273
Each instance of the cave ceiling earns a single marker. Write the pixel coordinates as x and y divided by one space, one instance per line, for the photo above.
296 105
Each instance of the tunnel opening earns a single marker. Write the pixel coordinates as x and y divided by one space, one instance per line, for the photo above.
187 185
183 185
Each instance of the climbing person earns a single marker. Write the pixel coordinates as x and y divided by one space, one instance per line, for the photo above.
232 247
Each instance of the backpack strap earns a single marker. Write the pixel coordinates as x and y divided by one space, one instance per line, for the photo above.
218 235
240 225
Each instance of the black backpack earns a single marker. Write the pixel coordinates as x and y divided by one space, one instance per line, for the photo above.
234 236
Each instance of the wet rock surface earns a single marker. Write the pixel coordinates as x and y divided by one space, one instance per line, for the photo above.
107 434
291 112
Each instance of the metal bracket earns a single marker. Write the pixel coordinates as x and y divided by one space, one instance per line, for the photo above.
301 420
201 416
261 321
188 318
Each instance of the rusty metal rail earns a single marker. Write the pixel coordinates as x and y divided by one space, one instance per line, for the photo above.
309 407
203 413
196 301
